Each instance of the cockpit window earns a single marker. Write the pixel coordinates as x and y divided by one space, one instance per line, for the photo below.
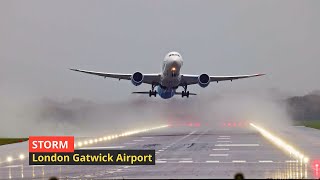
174 55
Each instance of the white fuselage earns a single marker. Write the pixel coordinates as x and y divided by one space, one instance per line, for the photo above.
170 76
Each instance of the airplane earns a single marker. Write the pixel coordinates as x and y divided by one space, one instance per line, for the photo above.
170 78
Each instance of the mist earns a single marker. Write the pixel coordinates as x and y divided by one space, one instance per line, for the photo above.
80 117
264 108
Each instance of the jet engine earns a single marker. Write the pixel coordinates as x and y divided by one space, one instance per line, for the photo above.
203 80
137 78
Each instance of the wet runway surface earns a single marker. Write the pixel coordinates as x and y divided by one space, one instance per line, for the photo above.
185 153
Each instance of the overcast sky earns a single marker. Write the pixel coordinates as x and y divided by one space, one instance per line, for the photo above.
40 40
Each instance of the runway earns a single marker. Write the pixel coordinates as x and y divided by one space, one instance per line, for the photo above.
187 152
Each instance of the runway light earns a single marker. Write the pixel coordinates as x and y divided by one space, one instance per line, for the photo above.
9 159
91 141
79 144
21 156
281 144
197 124
315 164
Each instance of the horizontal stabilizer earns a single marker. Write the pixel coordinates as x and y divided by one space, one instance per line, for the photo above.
180 93
141 92
147 92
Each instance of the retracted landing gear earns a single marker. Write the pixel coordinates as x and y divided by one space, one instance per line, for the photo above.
152 92
185 92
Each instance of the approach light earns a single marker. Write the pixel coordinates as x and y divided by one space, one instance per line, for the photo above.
21 156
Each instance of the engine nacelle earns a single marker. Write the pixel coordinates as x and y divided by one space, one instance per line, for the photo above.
137 78
204 80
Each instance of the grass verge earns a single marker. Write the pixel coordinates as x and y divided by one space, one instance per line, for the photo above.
312 124
4 141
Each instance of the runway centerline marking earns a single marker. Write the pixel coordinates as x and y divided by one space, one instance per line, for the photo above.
219 155
236 145
185 161
138 140
160 161
223 138
13 166
212 161
221 149
265 161
107 147
182 138
239 161
147 137
224 141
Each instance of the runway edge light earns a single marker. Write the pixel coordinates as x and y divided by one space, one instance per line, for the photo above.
281 144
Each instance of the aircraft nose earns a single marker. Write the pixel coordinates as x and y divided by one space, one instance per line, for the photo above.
175 63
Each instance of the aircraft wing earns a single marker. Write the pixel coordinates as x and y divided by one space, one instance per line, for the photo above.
148 78
193 79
